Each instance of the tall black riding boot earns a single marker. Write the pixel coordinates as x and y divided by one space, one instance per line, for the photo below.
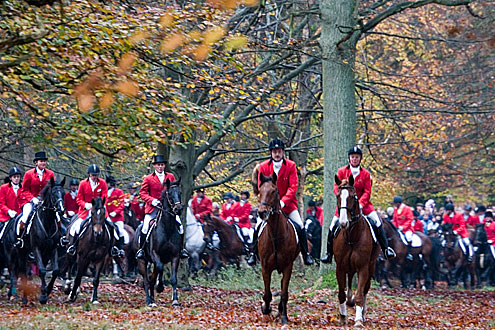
118 249
388 252
71 250
142 244
303 242
409 255
327 259
254 249
183 254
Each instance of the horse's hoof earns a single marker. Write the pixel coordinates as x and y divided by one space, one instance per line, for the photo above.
175 303
343 319
265 310
358 323
72 298
152 305
95 302
285 320
159 288
43 299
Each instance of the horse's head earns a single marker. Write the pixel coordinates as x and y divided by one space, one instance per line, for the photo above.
269 199
53 195
449 234
98 216
208 227
480 235
348 201
172 196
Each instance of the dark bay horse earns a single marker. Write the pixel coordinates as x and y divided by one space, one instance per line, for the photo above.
95 241
410 271
46 233
277 243
354 251
231 246
455 261
484 262
165 245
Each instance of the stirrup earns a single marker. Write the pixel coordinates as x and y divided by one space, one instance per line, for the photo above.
63 241
409 257
308 259
71 250
140 254
115 251
390 253
19 243
252 259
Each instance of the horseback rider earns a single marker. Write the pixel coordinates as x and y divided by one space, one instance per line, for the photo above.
228 208
403 219
131 198
89 189
315 211
362 184
201 205
459 227
151 190
70 201
115 209
287 183
490 231
241 215
33 183
10 203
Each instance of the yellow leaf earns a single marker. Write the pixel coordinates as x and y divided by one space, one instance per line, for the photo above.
107 100
127 62
214 34
138 37
235 43
166 20
127 87
171 43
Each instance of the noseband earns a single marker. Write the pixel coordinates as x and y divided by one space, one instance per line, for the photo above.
354 216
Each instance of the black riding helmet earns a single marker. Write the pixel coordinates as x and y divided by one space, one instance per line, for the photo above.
276 144
74 182
354 150
13 171
93 169
449 207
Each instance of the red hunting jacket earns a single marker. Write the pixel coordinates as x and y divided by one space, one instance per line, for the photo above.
225 213
115 203
490 233
85 194
362 184
318 214
201 209
242 212
152 189
403 217
134 205
287 182
9 201
70 203
473 220
32 185
458 224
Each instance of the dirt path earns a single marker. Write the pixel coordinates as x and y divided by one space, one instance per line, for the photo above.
122 307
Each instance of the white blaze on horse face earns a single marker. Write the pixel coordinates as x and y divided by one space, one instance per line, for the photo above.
343 211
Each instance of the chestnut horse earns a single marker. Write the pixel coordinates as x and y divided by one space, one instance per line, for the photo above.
354 251
277 243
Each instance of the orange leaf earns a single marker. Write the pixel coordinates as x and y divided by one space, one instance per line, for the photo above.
171 43
127 62
107 100
138 37
127 87
86 102
166 20
201 52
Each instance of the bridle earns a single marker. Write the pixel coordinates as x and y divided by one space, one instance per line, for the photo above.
354 215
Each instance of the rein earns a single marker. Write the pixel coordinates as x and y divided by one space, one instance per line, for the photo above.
43 208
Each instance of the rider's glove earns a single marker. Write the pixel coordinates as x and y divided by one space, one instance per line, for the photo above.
282 204
155 202
70 213
113 214
35 200
88 206
236 219
12 213
229 218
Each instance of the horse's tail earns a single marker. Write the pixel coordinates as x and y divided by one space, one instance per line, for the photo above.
254 179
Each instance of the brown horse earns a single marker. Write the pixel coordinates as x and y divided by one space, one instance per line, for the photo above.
354 251
231 246
455 261
409 271
277 243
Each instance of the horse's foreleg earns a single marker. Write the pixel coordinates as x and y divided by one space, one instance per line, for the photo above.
13 285
43 298
364 279
341 280
154 275
143 270
350 296
96 281
284 295
81 270
55 272
173 279
267 296
159 267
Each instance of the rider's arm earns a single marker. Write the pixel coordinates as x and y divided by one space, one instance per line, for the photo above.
144 192
293 183
26 187
365 197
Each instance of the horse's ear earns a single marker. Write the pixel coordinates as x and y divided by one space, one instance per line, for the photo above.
337 180
104 201
254 179
62 183
93 201
52 181
167 183
351 180
264 179
178 181
274 178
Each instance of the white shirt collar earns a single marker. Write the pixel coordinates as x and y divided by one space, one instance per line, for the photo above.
93 184
39 172
73 193
355 171
277 166
160 176
110 191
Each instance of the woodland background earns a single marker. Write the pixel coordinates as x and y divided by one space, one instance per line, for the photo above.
210 83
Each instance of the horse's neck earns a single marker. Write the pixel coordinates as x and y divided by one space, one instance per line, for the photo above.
278 224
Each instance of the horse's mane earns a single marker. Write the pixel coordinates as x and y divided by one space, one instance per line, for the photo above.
98 203
390 223
220 221
254 179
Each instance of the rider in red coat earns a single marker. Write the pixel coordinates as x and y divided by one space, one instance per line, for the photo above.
471 219
242 211
287 183
133 201
228 208
403 219
201 205
362 185
459 227
10 203
89 189
315 211
34 181
490 231
70 201
115 209
150 193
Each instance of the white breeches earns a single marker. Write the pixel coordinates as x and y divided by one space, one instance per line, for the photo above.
120 226
75 229
26 210
492 249
373 215
150 216
294 216
409 236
